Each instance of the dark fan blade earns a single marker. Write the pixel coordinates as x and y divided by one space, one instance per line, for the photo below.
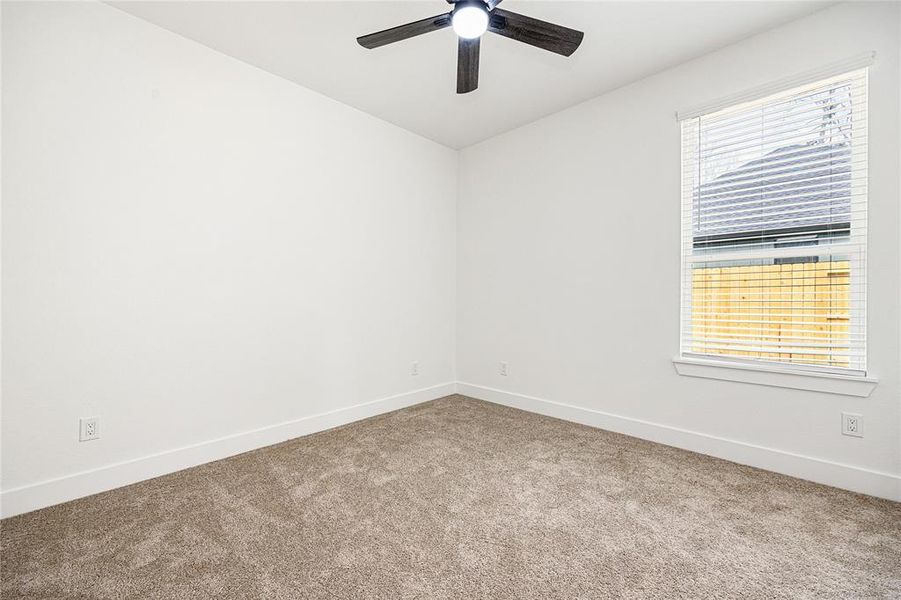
541 34
402 32
467 65
492 3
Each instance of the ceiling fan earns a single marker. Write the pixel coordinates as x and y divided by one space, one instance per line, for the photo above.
470 19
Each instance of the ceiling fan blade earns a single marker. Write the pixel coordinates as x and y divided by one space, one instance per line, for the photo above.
402 32
467 65
535 32
493 3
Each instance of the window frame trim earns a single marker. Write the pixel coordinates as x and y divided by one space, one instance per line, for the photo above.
854 63
860 386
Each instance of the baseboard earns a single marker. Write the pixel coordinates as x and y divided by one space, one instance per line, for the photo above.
856 479
47 493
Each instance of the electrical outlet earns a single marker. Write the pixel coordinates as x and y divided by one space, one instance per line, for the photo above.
504 369
414 368
88 429
852 424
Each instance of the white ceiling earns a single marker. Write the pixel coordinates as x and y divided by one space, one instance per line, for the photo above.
412 83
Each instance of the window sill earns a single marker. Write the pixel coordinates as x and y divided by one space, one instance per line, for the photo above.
830 383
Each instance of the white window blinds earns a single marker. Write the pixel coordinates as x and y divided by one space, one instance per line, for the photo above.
774 228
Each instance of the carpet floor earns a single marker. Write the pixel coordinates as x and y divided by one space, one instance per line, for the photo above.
459 498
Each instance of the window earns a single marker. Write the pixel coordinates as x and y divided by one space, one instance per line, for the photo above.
774 229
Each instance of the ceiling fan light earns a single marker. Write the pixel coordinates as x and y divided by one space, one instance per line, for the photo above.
470 22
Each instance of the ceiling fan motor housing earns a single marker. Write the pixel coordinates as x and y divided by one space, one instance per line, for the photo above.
483 4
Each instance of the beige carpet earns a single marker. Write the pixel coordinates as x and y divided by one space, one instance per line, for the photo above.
459 498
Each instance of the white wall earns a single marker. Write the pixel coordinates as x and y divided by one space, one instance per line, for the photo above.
568 265
193 248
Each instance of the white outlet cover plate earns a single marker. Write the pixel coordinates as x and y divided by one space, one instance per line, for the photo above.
846 422
88 429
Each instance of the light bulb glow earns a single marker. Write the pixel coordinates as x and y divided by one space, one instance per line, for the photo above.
470 22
